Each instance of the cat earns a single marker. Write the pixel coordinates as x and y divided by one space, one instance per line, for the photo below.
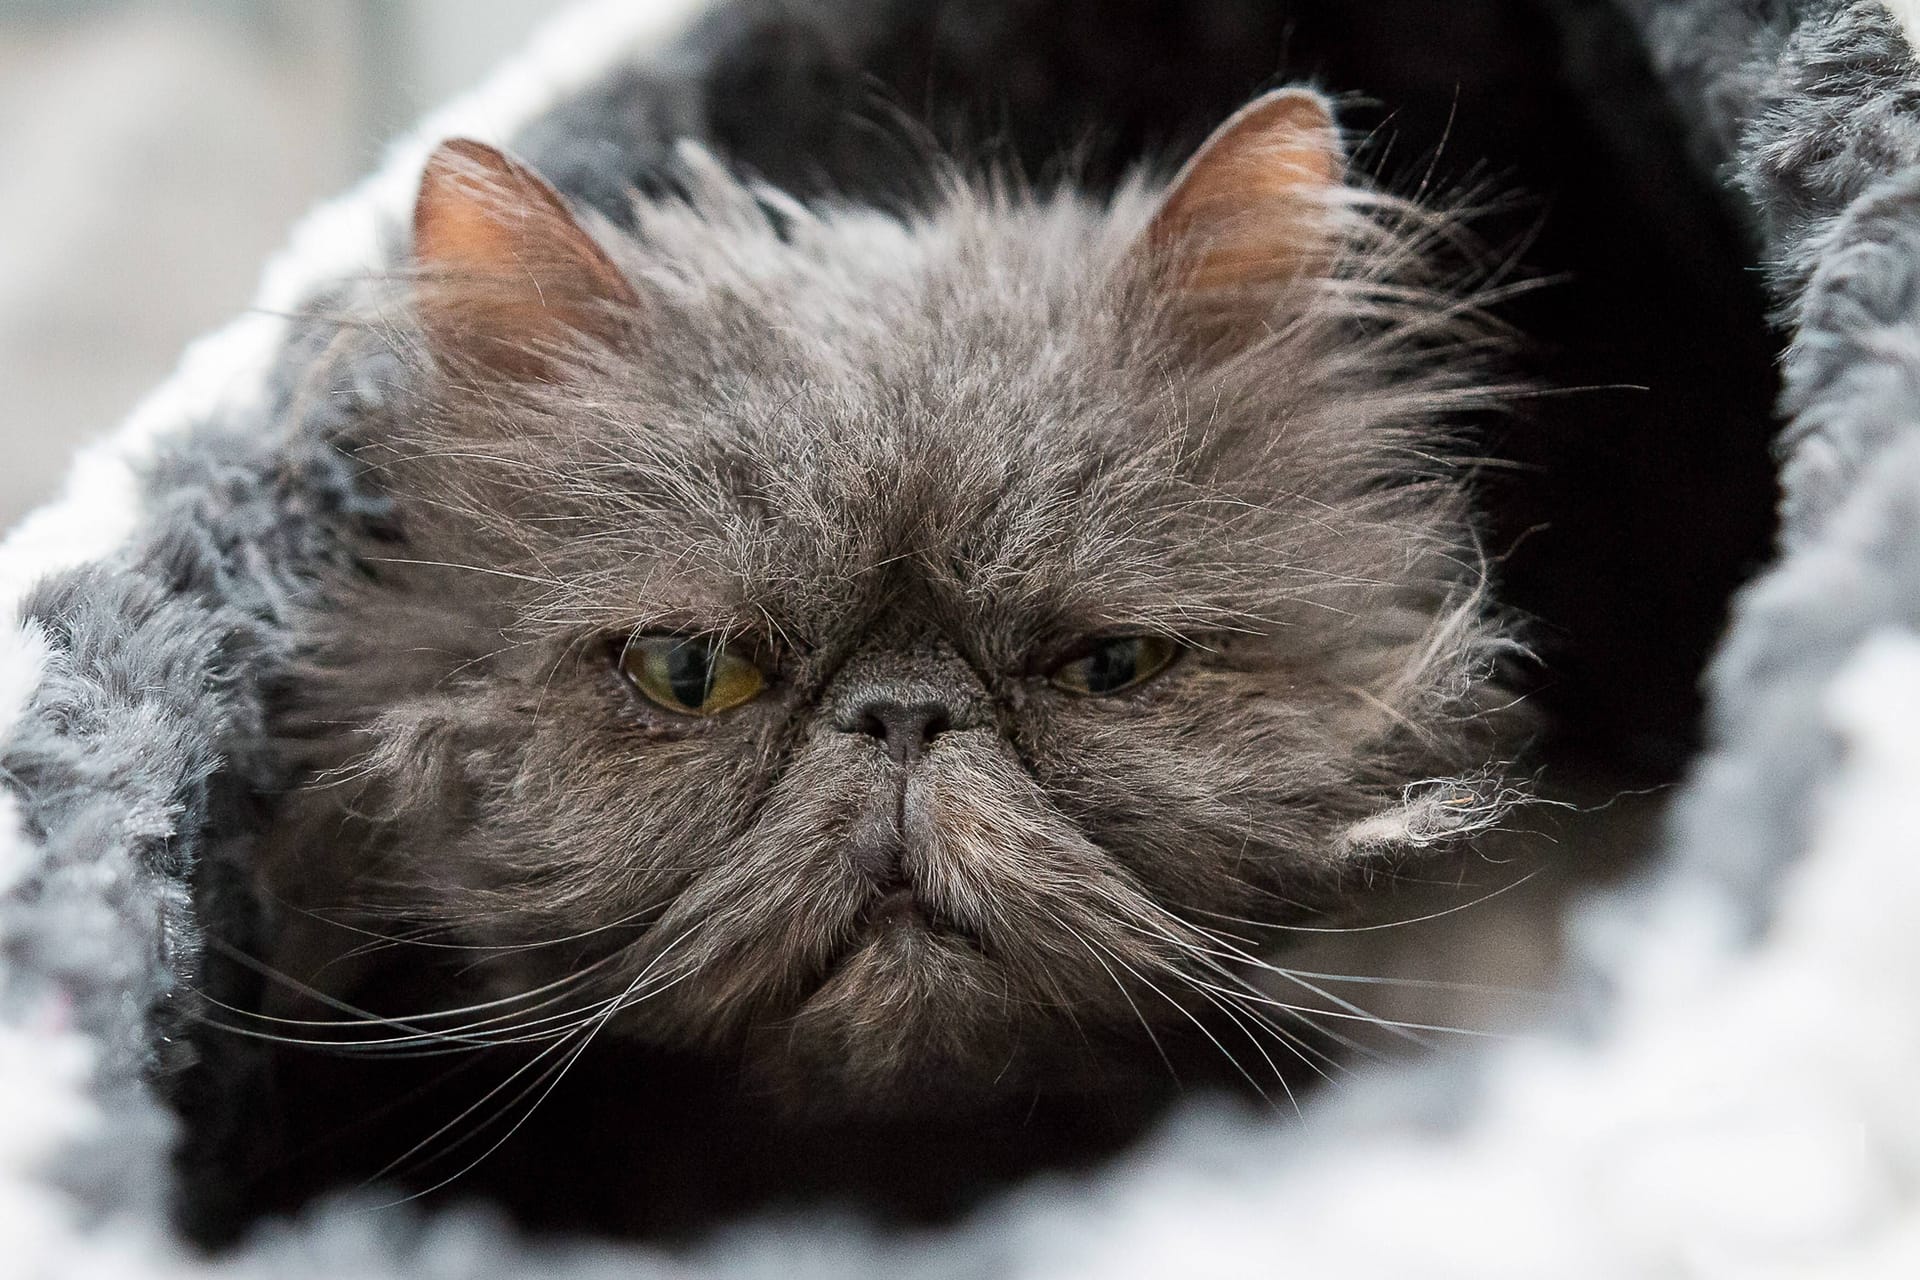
885 668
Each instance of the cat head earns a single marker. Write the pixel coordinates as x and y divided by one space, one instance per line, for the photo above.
889 648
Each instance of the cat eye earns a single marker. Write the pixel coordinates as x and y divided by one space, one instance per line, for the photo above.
1116 663
694 675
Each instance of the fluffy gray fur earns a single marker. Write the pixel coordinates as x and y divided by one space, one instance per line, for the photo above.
917 459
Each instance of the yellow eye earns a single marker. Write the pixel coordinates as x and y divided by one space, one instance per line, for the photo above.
693 675
1120 662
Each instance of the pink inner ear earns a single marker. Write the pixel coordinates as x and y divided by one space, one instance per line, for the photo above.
1248 208
506 275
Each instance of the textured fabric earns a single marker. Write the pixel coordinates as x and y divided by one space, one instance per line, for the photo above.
1739 1104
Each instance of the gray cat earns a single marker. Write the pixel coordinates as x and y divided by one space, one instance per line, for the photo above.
913 664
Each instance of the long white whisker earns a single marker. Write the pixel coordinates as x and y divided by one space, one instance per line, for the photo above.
560 983
1210 955
379 939
1368 928
1206 958
586 1033
1124 993
1279 1076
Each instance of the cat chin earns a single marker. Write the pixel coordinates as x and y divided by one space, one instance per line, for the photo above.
910 1015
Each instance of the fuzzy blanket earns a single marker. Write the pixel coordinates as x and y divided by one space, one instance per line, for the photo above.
1735 1099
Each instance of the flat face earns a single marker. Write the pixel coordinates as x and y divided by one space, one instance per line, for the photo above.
894 652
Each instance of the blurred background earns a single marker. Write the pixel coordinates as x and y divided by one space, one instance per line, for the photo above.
154 152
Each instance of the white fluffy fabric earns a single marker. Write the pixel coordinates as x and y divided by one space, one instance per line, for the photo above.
1746 1105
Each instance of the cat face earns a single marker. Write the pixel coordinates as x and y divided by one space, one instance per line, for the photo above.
885 650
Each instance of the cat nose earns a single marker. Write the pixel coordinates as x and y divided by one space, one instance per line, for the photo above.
907 728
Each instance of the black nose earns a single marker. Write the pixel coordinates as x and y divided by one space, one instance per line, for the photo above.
906 727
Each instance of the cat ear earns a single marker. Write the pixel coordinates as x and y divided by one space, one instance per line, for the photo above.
1254 208
506 277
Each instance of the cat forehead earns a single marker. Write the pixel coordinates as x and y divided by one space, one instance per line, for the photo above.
849 299
984 475
860 371
998 485
970 408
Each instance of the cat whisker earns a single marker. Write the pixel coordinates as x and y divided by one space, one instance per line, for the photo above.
566 980
378 940
1126 995
1209 950
551 1078
1226 950
1095 949
511 1027
1425 984
559 1046
1226 1053
286 980
1206 957
1345 1010
1224 1001
1321 1061
1407 1030
1369 928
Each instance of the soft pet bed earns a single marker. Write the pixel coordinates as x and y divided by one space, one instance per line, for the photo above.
1727 1088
